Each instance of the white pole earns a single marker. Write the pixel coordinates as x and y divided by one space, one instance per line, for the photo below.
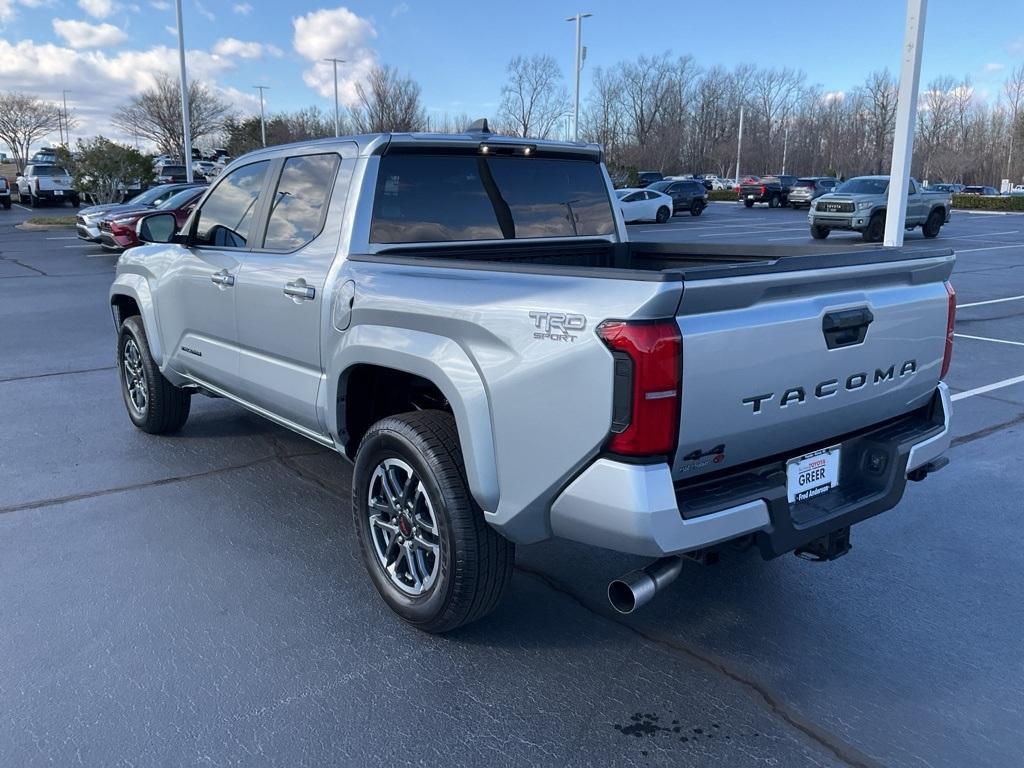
578 18
906 115
739 147
785 147
337 117
186 128
263 123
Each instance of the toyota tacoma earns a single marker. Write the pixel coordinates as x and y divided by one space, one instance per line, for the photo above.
464 318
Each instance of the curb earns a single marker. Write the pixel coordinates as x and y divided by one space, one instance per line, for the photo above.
974 212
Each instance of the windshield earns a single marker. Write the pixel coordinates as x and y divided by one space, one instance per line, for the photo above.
805 183
423 198
168 170
660 186
182 198
151 196
864 186
49 170
621 193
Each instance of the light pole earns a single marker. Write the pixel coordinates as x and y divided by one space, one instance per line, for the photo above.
186 123
67 120
263 124
739 146
785 145
337 119
906 114
578 18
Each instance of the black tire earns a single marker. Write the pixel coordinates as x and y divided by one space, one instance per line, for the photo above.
7 205
22 197
748 203
934 223
819 233
773 201
473 564
33 201
166 407
75 202
663 215
697 208
875 232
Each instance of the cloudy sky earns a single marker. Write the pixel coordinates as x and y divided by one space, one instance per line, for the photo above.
104 51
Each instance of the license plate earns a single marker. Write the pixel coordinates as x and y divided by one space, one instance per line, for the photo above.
750 197
812 474
58 192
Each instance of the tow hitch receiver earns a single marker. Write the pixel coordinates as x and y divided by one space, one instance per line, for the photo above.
830 547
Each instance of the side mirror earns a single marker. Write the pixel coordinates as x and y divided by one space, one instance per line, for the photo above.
157 228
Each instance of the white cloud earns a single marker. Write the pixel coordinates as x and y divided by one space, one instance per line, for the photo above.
98 82
242 9
160 5
834 96
230 46
336 32
98 9
399 9
82 34
9 8
205 12
173 31
994 66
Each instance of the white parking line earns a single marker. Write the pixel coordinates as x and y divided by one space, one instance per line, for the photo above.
986 338
990 301
989 248
753 232
79 245
72 237
987 388
18 205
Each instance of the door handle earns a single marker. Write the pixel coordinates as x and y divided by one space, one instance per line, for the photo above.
299 290
222 278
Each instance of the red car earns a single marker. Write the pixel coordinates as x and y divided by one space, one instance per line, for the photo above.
117 231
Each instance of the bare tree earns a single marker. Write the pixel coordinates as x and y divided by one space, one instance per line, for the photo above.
533 98
388 102
155 114
880 88
1013 89
645 83
24 120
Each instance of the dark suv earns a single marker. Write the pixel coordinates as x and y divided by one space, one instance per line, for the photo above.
687 195
646 178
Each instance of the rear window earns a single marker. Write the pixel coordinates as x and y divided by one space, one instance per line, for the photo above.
172 170
422 198
805 183
48 170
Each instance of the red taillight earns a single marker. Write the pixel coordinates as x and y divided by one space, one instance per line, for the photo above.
764 190
648 373
947 356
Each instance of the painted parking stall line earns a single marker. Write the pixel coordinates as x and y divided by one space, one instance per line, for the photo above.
986 338
987 388
990 301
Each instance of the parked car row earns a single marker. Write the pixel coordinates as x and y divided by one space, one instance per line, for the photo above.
113 225
661 200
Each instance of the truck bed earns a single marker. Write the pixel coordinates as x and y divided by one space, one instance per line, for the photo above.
647 260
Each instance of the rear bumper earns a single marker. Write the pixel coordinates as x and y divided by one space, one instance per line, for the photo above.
637 508
59 195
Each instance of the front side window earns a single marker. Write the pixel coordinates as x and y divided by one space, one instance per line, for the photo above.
423 198
300 201
226 216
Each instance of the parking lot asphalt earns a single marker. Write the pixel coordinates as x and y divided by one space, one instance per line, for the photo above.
198 599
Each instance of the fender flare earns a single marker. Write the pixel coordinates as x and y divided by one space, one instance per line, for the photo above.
446 364
136 287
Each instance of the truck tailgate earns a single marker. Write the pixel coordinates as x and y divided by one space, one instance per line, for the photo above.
778 361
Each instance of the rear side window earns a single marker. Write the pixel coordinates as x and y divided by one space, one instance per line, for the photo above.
226 215
300 201
424 198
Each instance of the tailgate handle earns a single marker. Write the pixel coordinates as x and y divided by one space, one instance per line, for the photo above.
847 327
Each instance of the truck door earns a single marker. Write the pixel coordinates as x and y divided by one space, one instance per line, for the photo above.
280 295
197 302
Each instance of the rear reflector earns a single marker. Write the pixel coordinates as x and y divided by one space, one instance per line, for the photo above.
647 376
947 356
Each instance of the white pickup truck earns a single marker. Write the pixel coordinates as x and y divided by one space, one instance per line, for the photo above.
465 319
45 182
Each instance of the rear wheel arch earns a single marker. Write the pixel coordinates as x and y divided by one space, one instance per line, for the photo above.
426 367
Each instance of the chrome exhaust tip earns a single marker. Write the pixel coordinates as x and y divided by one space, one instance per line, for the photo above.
637 588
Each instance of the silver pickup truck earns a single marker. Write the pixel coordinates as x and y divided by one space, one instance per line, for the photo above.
859 204
464 318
